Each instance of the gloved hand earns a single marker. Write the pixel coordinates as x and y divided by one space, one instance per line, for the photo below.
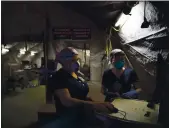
130 95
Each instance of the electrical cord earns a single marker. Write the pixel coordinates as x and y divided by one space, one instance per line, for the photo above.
122 113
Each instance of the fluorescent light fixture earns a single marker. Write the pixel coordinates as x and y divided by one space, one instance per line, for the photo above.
33 53
7 46
87 52
4 51
122 19
22 51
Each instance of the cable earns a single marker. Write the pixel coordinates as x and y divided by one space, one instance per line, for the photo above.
122 114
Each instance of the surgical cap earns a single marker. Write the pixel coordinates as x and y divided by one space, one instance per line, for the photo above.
66 54
116 52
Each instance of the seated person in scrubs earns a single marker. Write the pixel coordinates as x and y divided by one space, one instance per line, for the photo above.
71 93
119 81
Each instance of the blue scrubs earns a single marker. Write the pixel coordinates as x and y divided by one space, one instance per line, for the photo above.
124 83
69 117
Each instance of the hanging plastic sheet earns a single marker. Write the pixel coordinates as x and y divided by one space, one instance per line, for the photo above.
143 57
145 50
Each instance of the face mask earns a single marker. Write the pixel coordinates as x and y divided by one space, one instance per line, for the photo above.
119 64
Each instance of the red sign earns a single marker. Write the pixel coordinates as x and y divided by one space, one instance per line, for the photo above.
74 33
62 33
81 33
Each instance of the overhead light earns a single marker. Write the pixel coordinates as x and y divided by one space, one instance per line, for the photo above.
4 51
87 52
121 21
33 53
7 46
22 51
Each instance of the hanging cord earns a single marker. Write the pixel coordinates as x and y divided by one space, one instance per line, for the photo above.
108 41
144 9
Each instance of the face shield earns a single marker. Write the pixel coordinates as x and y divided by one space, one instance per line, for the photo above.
68 58
117 57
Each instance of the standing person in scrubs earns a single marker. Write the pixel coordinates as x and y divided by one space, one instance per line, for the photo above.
119 81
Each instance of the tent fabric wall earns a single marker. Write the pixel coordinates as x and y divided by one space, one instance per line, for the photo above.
142 45
146 50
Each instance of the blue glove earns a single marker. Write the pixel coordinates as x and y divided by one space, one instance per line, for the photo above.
131 94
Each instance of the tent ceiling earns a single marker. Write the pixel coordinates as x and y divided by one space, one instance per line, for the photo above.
102 13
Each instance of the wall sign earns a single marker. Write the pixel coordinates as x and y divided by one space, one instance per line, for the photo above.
81 33
61 33
72 33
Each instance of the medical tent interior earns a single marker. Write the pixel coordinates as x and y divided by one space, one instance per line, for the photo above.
27 25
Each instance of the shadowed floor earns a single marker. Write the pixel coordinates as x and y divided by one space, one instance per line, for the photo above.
19 109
